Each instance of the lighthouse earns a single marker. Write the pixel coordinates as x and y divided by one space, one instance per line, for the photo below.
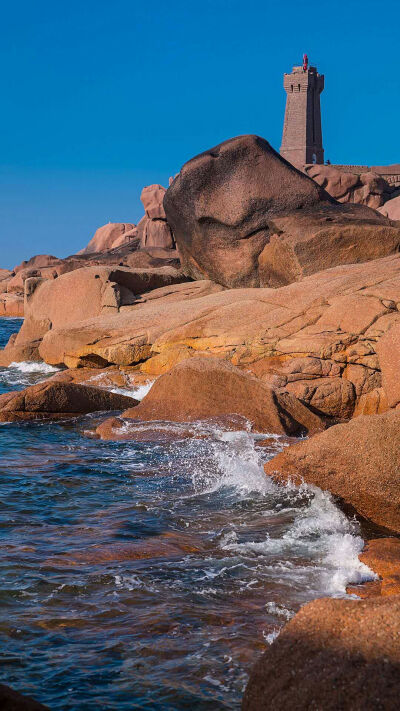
302 132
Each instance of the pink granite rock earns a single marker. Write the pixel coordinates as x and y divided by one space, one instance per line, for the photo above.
109 236
152 198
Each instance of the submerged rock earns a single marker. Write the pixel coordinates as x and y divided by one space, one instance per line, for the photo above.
357 461
334 654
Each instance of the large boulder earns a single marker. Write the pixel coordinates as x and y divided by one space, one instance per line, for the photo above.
53 399
357 462
334 654
243 216
152 197
109 236
153 229
205 387
155 233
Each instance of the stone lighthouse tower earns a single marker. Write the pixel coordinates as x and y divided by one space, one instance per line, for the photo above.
302 133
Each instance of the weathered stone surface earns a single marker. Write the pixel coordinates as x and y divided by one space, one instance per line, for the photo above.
388 350
372 403
11 305
244 217
152 198
155 233
82 293
334 654
11 700
206 387
5 276
366 188
52 399
334 397
391 208
109 236
357 461
38 261
326 326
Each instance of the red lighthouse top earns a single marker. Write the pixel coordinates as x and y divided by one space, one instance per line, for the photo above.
305 62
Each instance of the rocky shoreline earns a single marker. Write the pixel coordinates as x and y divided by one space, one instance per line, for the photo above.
259 301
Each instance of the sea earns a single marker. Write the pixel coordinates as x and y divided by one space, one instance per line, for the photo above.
151 574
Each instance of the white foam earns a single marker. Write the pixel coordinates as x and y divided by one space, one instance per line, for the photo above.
238 466
33 367
138 392
271 636
319 527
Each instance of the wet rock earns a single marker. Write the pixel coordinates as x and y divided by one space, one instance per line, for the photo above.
11 700
382 555
204 387
334 654
53 400
244 217
167 545
356 461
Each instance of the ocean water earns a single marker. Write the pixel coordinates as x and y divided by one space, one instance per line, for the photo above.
151 574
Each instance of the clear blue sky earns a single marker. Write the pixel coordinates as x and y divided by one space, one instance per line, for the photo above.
100 98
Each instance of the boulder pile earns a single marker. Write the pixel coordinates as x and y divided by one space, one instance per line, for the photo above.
365 188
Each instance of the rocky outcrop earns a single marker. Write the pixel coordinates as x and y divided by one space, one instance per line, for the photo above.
52 400
309 336
11 700
85 292
357 462
334 654
244 217
365 188
201 388
153 229
110 236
